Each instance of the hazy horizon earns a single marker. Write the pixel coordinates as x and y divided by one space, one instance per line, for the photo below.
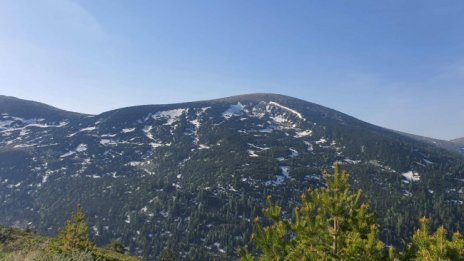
399 65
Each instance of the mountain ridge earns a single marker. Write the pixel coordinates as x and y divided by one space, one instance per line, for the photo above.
29 108
459 141
250 97
452 145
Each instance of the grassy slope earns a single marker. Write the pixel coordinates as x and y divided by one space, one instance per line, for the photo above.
18 245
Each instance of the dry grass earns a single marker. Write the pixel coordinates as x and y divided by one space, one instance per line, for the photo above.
18 245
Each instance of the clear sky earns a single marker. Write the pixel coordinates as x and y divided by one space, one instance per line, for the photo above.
394 63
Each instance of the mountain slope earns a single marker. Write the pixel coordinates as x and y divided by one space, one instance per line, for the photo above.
33 110
459 141
190 177
452 146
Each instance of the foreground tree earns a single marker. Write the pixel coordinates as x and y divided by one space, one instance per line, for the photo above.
331 224
75 236
427 247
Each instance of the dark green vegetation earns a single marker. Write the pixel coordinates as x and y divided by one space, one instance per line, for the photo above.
73 244
332 223
191 177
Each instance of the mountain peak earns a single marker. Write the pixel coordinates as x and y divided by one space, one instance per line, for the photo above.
265 97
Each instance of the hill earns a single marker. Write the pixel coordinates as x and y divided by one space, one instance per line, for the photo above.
190 177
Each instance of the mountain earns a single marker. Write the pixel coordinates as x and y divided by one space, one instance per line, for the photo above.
190 177
33 110
456 145
459 141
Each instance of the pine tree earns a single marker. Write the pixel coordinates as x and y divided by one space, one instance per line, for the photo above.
75 236
167 255
331 224
425 247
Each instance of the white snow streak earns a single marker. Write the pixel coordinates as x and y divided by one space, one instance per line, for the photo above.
287 109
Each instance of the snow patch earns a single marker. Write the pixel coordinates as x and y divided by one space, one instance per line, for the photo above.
5 123
411 176
45 177
196 126
285 171
147 130
108 135
134 163
95 230
301 134
257 147
310 146
155 145
279 119
218 246
234 110
127 130
280 179
350 161
428 162
88 129
195 123
293 153
24 145
81 148
67 154
107 142
170 116
407 193
203 147
252 154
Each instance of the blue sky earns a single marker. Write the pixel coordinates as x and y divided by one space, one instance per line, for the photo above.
397 64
